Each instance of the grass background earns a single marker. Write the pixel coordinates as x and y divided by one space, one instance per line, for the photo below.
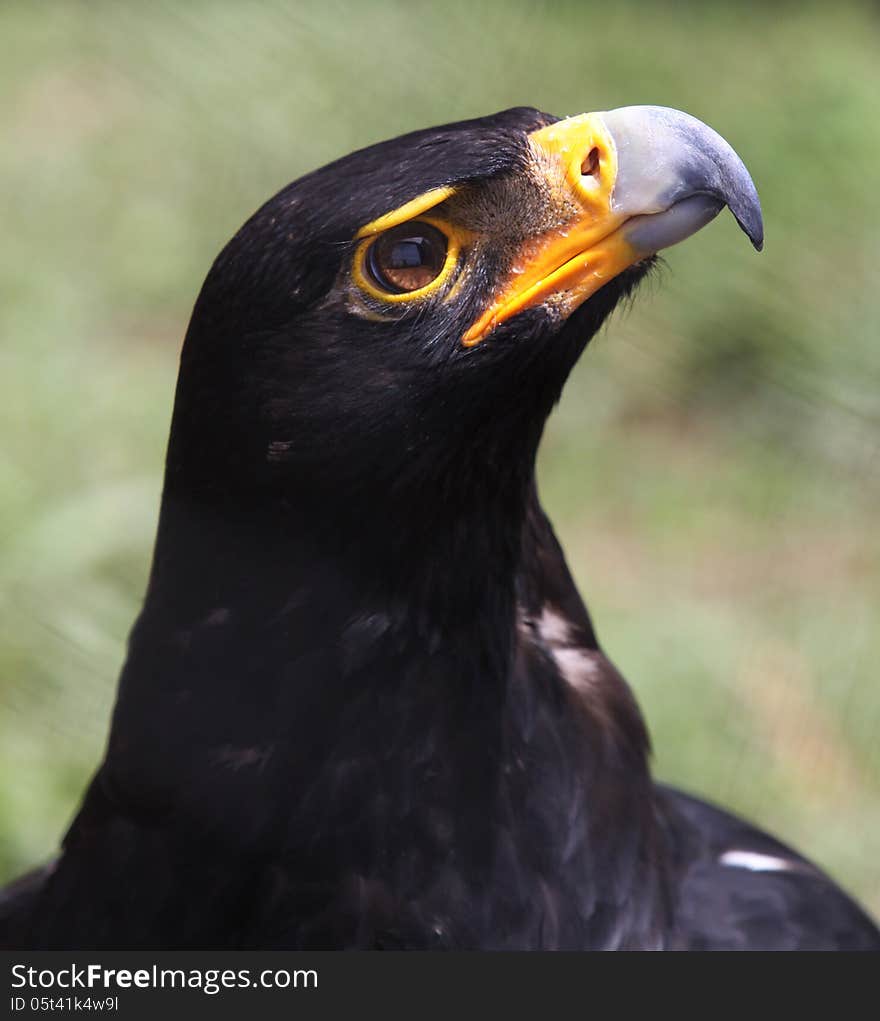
713 469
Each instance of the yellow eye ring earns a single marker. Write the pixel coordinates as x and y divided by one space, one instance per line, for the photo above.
455 238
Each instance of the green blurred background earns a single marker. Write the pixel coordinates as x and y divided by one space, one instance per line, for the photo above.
713 470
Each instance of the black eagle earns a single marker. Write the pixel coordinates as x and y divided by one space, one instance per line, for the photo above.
364 705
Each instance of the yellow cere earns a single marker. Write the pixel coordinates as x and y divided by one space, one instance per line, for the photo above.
573 260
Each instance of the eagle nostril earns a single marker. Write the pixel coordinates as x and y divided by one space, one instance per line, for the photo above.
590 165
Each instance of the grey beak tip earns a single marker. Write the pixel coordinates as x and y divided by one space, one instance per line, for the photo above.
753 227
746 206
757 236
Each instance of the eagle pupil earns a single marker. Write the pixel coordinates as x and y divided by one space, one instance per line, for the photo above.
407 258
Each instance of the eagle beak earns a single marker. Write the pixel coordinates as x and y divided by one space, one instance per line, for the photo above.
626 183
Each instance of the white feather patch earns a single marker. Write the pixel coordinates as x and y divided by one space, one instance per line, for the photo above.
554 628
755 862
578 667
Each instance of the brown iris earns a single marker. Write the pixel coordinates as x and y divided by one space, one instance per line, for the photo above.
406 258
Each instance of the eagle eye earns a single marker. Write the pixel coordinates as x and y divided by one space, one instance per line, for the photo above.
406 258
409 261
